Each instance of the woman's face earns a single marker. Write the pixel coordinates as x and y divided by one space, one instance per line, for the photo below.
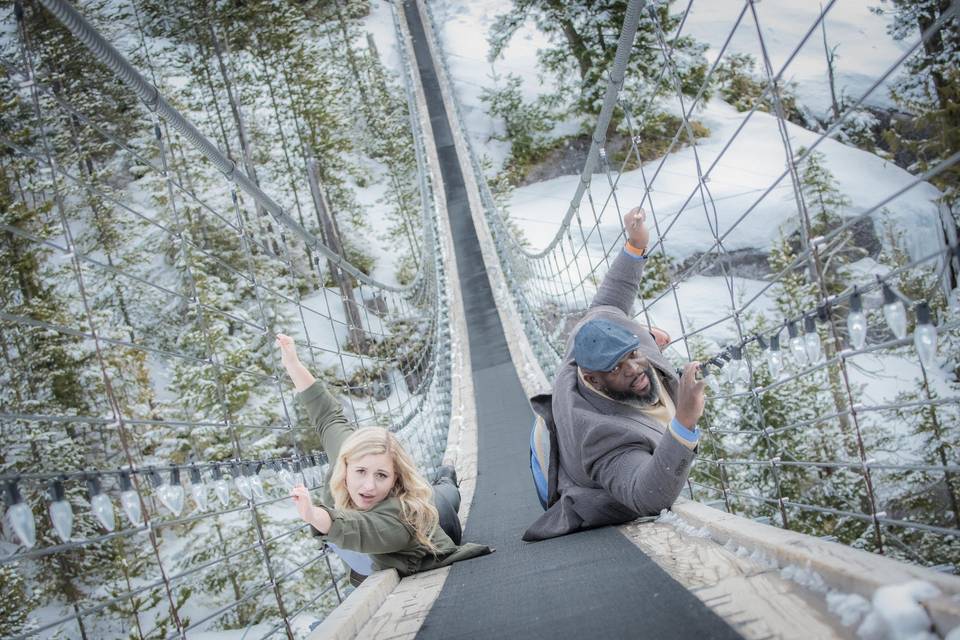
370 479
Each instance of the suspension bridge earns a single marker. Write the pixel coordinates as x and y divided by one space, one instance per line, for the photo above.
179 414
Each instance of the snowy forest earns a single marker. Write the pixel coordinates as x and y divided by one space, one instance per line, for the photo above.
847 426
148 437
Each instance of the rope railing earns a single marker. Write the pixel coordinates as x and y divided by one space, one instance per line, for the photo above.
148 275
796 426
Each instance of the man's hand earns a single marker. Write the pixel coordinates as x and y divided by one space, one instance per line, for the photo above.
634 224
690 396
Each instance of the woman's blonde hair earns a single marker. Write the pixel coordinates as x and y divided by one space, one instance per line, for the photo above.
410 488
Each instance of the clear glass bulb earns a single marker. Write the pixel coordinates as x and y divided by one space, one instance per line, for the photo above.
102 508
285 477
799 350
775 362
811 343
243 486
198 489
61 515
256 487
896 317
925 337
130 502
21 519
894 312
200 495
713 382
857 327
222 489
732 371
298 476
172 494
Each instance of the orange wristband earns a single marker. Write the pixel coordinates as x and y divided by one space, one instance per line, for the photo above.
633 252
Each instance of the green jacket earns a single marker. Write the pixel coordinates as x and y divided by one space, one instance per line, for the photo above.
381 530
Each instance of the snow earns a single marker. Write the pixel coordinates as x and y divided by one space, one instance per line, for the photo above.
739 177
463 28
864 50
897 613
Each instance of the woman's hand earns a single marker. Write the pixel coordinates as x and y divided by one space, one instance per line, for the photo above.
310 514
288 349
301 377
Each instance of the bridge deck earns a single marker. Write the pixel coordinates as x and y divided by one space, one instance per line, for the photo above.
591 584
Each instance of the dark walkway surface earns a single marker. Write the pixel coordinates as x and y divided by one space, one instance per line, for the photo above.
594 584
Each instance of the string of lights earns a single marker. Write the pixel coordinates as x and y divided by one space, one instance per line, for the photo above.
246 477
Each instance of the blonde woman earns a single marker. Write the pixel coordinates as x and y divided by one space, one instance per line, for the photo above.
376 510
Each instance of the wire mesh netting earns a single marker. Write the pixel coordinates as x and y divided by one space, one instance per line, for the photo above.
827 321
174 198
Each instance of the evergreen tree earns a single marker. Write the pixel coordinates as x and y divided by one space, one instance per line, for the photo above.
929 91
583 37
931 435
527 125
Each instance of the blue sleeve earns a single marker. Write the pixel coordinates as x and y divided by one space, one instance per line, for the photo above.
691 436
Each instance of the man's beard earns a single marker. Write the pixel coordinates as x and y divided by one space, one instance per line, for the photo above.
648 397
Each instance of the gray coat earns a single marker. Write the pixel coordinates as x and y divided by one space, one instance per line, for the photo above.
614 462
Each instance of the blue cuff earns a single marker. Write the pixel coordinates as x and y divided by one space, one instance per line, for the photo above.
693 437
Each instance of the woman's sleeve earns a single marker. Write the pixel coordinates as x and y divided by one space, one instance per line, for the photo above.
326 415
368 531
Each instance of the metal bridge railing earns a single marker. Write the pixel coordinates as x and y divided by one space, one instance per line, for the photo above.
147 273
791 432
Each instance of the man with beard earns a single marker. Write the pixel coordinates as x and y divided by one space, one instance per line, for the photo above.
622 426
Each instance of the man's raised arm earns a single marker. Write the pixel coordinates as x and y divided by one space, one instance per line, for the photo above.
620 284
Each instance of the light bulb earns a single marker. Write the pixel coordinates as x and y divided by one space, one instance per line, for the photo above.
298 476
732 371
61 513
743 369
774 357
100 503
925 337
307 471
130 500
323 466
220 486
314 467
256 483
857 321
284 475
240 480
198 489
171 494
712 380
811 340
797 346
20 516
894 312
